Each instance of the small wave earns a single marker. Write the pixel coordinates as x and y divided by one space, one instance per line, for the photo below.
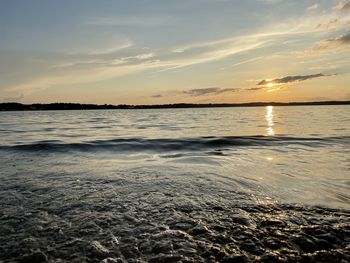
176 145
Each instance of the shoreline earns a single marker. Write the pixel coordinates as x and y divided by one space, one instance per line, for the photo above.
11 106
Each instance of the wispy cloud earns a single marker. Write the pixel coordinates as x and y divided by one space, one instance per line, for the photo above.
312 7
246 61
143 56
331 24
79 75
209 91
343 5
341 40
217 53
254 89
335 44
207 51
114 59
108 50
157 96
198 92
250 38
227 90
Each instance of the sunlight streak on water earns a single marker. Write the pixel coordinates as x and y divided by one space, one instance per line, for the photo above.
270 122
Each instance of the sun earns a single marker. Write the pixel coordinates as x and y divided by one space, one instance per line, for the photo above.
271 87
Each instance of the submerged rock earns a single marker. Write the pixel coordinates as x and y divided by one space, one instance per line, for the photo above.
35 257
113 260
98 250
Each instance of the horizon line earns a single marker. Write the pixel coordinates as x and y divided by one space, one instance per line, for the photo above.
16 106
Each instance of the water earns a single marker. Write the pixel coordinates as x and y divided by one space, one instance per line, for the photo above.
294 154
86 178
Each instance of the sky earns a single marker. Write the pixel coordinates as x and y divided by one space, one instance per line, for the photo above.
165 51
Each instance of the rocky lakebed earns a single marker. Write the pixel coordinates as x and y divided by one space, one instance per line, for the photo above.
155 218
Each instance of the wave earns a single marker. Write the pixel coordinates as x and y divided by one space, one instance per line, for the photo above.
175 145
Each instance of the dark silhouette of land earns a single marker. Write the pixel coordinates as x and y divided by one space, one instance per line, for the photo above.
13 106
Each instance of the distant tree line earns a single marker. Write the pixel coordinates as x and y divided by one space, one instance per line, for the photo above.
13 106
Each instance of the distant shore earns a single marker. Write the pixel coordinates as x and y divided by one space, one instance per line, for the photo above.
13 106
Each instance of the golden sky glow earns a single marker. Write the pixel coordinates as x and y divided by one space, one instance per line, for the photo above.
151 52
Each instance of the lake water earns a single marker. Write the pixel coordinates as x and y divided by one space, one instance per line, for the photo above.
92 178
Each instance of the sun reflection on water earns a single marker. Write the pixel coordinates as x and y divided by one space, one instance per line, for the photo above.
269 119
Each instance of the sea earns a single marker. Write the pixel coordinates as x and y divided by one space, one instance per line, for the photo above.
175 185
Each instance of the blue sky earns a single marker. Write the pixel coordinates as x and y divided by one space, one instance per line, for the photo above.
152 51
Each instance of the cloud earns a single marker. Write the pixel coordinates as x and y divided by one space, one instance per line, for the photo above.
254 89
289 79
143 56
178 50
111 59
342 6
227 90
79 75
313 7
341 40
269 35
212 51
331 24
108 50
337 43
198 92
209 91
207 51
202 91
247 61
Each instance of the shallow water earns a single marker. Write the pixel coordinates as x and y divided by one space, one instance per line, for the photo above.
174 184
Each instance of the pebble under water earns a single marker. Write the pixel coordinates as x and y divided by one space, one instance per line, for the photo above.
140 215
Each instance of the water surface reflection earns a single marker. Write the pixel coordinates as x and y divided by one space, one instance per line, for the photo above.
269 118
